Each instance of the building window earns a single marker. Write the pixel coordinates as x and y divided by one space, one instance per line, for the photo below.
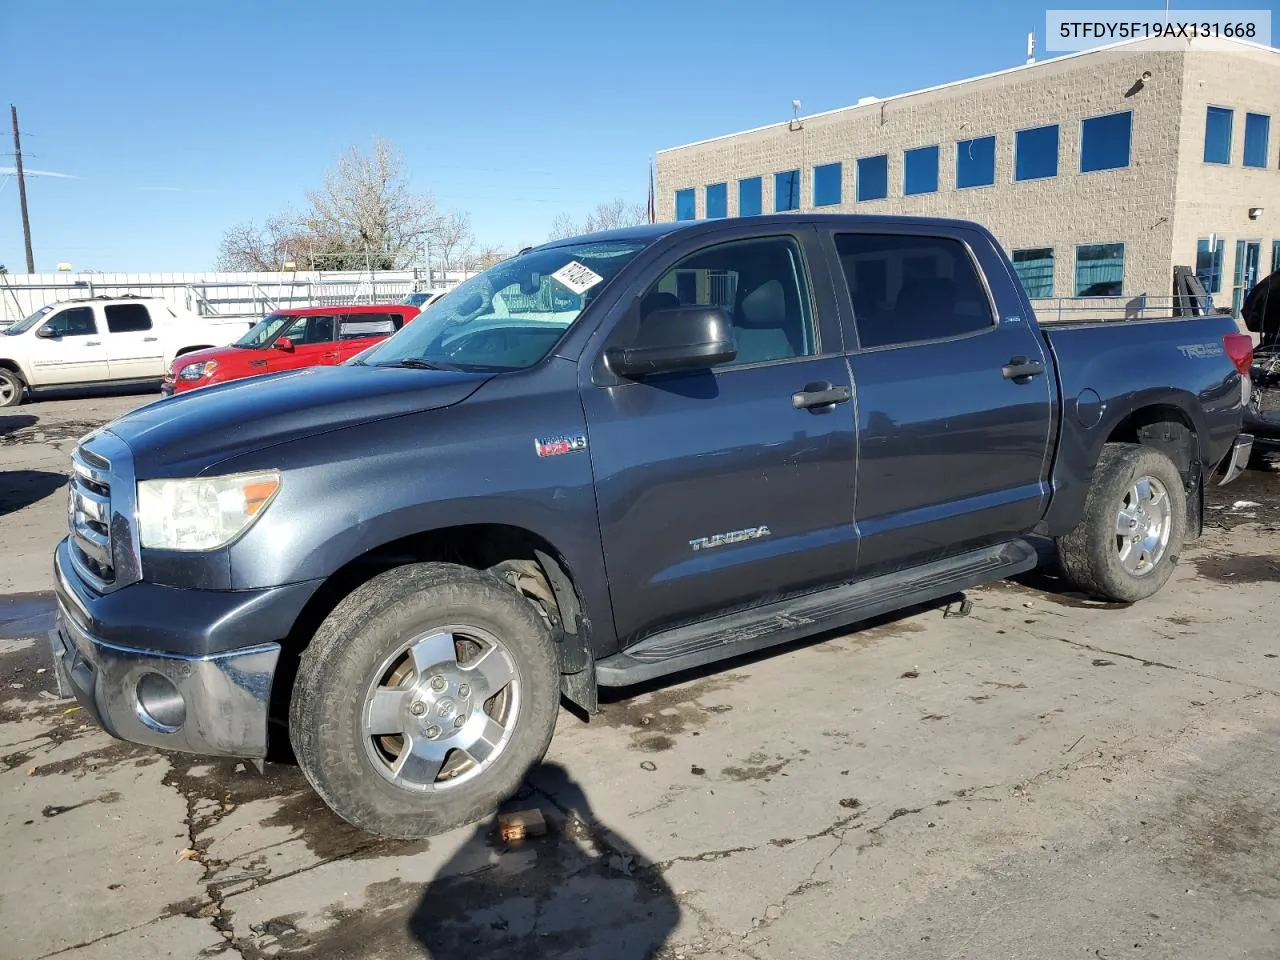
686 205
1275 255
1257 139
1209 264
1105 142
786 191
1100 270
1035 269
1035 153
826 184
873 177
920 171
717 200
976 162
1217 135
749 191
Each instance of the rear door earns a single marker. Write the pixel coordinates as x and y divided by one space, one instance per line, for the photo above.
955 402
357 331
72 350
134 347
716 488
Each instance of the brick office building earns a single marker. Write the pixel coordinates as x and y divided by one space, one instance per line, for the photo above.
1099 171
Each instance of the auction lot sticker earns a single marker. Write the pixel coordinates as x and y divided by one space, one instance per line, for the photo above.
577 277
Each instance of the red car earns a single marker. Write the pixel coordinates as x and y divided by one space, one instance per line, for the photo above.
289 340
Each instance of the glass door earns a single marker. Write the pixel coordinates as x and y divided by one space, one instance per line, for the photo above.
1248 253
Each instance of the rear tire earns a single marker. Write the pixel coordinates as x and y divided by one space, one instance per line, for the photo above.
12 389
398 738
1140 490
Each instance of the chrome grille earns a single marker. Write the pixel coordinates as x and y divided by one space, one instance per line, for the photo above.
100 513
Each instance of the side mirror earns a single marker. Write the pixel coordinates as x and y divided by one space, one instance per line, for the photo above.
285 344
47 333
682 338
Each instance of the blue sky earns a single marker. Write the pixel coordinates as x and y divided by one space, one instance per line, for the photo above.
181 118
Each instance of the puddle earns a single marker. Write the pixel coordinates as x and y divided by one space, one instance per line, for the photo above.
1240 568
656 719
24 615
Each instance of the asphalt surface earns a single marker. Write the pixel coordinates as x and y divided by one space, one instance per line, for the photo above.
1047 777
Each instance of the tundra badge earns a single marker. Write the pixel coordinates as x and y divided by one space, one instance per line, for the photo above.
734 536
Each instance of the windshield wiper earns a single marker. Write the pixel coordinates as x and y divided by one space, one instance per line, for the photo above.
419 363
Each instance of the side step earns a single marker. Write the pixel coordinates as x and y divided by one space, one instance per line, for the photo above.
746 631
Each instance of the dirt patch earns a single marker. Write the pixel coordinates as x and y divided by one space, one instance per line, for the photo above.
26 615
656 719
758 766
1253 497
49 432
1240 568
328 836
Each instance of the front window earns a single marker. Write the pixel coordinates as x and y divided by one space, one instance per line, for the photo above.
26 323
510 316
264 332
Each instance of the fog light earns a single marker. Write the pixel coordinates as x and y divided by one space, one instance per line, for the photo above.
160 705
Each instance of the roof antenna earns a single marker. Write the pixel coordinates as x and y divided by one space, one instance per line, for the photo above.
796 123
1031 47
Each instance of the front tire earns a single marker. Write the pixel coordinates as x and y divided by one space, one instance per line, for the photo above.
424 700
12 390
1129 538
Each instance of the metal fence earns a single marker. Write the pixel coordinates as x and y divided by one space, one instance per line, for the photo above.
1141 307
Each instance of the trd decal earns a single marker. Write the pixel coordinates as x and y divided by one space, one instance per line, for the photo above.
558 446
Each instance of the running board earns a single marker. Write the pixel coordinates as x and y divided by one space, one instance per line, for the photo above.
746 631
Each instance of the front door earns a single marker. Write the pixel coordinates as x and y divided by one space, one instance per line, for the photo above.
306 342
955 403
71 349
721 488
1248 254
134 350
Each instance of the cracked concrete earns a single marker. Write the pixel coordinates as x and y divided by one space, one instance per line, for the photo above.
1093 781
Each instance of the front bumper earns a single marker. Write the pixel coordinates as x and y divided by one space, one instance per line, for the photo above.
1237 460
214 704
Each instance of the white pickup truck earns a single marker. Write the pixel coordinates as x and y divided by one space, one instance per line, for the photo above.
101 340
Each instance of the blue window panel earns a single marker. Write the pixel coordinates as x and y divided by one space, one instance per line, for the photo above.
920 171
1217 135
1257 139
1035 153
826 184
1275 255
976 162
686 205
873 177
717 200
786 191
1100 270
1035 269
1209 264
749 202
1105 142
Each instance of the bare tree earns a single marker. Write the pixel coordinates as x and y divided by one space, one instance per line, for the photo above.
486 257
248 247
366 206
610 215
452 239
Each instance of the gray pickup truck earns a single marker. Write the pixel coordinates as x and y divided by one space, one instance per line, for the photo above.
605 460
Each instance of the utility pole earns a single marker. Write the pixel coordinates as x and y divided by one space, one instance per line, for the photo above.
22 189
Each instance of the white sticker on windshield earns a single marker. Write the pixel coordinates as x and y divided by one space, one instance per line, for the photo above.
577 277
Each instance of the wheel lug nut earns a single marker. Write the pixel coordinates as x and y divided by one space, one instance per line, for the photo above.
464 690
418 708
433 732
437 684
460 719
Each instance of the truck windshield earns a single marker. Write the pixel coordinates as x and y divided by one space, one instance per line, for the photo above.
510 316
26 323
263 332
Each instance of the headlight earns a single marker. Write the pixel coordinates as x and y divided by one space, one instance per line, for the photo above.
202 513
198 371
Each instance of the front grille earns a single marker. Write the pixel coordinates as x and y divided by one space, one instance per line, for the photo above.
100 513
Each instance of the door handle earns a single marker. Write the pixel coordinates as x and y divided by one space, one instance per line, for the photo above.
257 363
93 343
150 339
329 356
1021 370
816 395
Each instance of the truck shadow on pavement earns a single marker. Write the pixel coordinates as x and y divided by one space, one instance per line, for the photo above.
22 488
8 424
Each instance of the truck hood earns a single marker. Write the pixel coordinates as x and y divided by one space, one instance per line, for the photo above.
189 433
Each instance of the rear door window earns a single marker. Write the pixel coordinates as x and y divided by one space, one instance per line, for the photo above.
357 326
908 289
128 318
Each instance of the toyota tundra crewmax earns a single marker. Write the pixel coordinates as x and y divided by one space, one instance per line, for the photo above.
605 460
